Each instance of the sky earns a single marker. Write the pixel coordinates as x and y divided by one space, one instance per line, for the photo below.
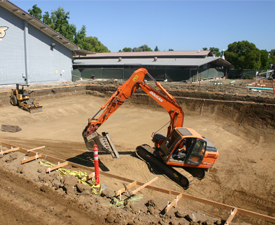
179 25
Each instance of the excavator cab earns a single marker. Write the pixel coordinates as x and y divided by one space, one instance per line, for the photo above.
185 147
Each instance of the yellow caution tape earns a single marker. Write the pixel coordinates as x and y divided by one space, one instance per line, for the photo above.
96 189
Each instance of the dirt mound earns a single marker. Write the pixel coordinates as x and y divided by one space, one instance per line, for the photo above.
59 199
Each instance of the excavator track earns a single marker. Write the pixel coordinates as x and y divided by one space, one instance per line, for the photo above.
177 174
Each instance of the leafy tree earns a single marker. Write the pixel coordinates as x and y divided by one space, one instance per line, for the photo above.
94 45
170 49
264 60
126 49
59 21
156 49
143 48
204 48
215 51
244 55
80 37
47 19
272 57
36 12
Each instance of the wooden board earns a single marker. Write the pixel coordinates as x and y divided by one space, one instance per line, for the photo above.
122 190
11 150
33 149
144 185
31 158
57 166
173 203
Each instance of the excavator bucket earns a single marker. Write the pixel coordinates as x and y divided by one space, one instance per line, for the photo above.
103 142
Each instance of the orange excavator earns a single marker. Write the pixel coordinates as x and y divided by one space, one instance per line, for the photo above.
182 154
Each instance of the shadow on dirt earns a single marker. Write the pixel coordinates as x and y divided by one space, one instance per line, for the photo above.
87 159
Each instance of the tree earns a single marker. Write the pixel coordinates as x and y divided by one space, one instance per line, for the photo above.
36 12
80 37
156 49
204 49
94 45
143 48
170 49
126 49
272 57
59 21
215 51
245 55
264 60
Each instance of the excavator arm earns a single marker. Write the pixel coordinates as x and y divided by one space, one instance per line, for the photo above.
125 91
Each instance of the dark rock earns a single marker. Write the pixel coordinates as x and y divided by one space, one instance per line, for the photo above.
69 180
151 210
110 218
45 188
180 214
108 193
83 187
56 184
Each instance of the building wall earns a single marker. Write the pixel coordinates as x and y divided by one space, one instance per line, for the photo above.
26 54
160 74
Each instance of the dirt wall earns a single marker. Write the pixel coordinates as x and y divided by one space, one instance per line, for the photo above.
244 111
255 112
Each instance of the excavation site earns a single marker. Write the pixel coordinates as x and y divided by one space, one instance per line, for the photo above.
238 189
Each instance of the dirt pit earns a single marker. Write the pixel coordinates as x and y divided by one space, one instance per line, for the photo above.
242 176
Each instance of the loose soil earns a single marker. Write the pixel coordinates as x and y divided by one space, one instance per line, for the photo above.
242 176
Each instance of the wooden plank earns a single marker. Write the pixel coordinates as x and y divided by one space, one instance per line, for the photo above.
56 167
209 202
257 215
144 185
10 150
31 158
33 149
173 203
87 177
122 190
231 217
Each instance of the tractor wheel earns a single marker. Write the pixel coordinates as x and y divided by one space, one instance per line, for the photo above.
13 100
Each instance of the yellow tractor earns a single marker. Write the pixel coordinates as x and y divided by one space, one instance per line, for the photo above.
20 97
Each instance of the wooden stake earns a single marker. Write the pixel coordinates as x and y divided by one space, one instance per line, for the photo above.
144 185
122 190
173 203
11 150
87 178
231 217
56 167
30 150
31 158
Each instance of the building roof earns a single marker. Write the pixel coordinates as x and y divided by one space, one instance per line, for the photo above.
198 53
192 62
42 27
